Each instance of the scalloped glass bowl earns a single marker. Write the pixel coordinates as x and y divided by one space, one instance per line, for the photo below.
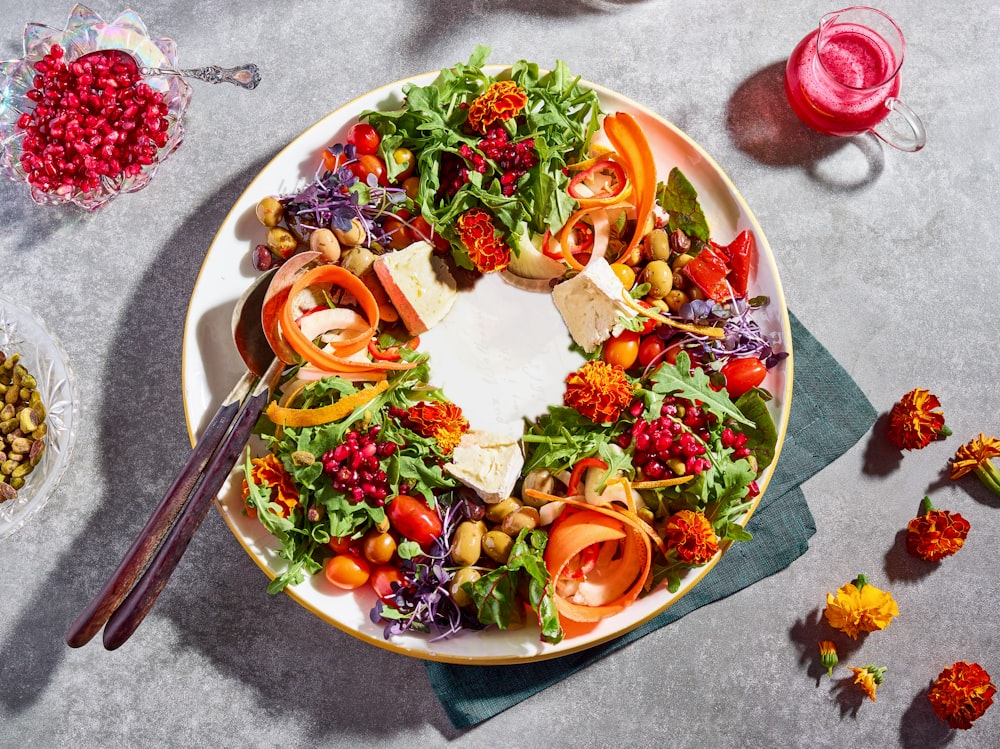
22 332
85 32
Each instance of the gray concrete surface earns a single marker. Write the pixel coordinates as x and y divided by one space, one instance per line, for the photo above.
891 259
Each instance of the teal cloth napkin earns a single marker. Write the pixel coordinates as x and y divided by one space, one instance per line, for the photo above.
829 415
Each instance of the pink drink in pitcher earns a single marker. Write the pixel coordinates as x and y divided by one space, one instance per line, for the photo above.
843 78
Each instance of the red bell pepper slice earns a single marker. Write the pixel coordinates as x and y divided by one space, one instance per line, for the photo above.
573 487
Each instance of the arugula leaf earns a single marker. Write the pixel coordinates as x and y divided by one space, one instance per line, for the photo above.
680 200
694 384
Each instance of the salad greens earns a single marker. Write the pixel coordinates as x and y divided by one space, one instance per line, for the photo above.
560 119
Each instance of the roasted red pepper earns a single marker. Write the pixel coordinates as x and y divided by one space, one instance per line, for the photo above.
717 269
708 271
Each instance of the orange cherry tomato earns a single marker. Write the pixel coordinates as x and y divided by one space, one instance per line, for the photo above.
378 548
424 230
346 571
400 235
625 274
622 349
382 578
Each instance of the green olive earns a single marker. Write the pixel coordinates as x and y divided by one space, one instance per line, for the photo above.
358 260
464 575
675 299
352 238
681 260
526 517
497 545
660 278
270 211
467 544
497 511
659 245
281 242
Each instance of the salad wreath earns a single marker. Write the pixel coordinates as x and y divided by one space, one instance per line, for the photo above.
375 479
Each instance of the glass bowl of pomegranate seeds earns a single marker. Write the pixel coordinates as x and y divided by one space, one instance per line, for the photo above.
82 131
39 412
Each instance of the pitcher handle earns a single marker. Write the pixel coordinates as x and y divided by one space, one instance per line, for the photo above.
912 140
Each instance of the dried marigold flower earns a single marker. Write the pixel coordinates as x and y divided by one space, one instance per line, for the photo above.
598 390
868 678
441 420
961 694
691 537
859 607
828 656
913 422
487 250
499 103
975 457
268 472
935 534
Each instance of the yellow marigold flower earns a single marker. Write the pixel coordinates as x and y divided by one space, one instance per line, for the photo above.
441 420
913 422
935 534
501 101
268 472
961 694
598 390
868 678
691 536
975 457
828 656
859 607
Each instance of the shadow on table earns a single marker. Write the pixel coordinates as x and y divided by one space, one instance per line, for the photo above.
920 728
762 125
216 599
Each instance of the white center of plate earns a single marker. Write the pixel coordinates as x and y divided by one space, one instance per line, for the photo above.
501 354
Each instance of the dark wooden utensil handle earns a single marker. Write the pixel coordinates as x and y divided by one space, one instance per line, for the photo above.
135 560
127 617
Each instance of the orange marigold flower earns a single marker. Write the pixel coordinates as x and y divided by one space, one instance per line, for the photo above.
868 678
500 102
913 422
961 694
487 250
860 607
268 472
828 656
441 420
598 391
691 536
935 534
975 457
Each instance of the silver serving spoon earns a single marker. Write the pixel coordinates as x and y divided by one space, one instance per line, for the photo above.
244 76
131 590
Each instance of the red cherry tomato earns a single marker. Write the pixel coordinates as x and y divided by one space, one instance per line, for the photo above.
425 231
650 348
743 374
364 138
369 164
414 519
382 578
622 349
341 545
346 571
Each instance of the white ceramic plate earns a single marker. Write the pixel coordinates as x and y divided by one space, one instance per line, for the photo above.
501 354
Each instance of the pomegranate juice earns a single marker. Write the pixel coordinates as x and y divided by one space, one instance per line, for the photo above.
842 90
